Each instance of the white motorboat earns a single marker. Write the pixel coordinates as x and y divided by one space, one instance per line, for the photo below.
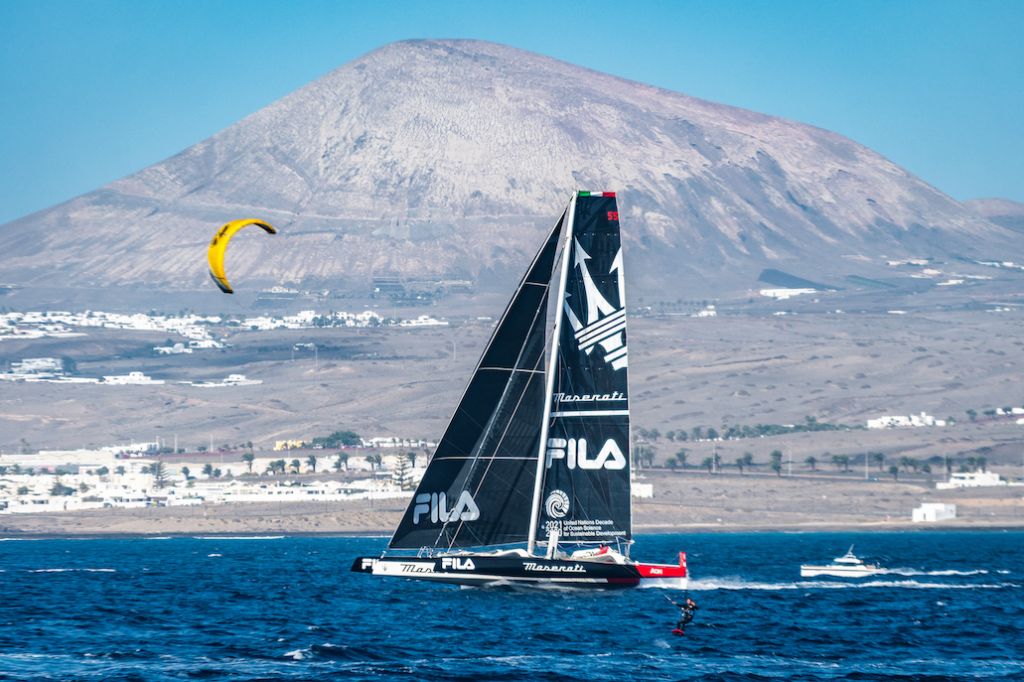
846 566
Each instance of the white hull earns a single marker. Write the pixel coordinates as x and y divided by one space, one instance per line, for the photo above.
839 571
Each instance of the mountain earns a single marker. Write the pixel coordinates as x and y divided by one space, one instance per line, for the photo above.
442 159
1009 214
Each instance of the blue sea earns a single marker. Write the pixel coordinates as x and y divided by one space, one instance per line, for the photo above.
287 608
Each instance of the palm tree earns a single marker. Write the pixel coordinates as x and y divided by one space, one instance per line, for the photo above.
295 464
248 459
311 462
119 470
776 464
681 457
208 470
708 464
895 471
878 458
812 462
739 464
411 456
159 473
748 460
185 472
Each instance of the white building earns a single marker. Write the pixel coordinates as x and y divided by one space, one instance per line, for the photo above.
707 311
971 479
133 378
176 349
898 421
782 294
930 512
642 491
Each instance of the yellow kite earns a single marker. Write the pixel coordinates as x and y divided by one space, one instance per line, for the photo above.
219 244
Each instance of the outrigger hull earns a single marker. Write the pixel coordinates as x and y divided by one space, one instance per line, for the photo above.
483 569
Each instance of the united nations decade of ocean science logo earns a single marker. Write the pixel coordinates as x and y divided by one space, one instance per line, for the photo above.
557 505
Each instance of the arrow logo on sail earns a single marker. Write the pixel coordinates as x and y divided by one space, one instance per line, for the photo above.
606 324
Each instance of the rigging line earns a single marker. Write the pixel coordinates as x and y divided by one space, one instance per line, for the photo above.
541 306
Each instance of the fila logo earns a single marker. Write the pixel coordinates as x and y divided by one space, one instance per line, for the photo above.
367 564
574 452
436 505
457 564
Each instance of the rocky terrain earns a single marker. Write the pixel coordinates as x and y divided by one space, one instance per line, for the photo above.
447 159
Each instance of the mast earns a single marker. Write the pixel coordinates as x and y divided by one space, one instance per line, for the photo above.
538 482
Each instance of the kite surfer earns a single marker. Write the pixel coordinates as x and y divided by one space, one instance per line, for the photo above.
686 612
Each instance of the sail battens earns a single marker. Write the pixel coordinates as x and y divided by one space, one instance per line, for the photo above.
530 457
586 488
476 490
511 465
512 369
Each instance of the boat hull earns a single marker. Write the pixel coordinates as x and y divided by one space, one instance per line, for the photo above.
838 571
479 569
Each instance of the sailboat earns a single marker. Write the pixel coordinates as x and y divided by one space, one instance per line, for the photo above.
531 481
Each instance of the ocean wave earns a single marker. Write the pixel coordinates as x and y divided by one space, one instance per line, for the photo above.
662 583
708 584
914 571
238 537
214 554
72 570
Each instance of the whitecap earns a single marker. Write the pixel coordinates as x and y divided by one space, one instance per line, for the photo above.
739 584
72 570
238 537
914 571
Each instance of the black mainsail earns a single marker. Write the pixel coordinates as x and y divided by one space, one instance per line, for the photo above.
586 467
478 488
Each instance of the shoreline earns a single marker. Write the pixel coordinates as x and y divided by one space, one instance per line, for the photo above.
9 535
680 504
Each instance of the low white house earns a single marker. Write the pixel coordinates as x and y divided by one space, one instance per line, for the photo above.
643 490
971 479
930 512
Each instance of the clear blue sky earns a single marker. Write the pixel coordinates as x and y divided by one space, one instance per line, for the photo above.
93 91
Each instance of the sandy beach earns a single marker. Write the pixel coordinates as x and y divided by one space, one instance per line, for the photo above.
682 501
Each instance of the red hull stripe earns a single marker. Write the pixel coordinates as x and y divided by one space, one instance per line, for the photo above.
661 571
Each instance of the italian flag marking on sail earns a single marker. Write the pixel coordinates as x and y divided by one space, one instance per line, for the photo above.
597 194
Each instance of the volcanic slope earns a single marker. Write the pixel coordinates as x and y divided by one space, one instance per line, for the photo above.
447 159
